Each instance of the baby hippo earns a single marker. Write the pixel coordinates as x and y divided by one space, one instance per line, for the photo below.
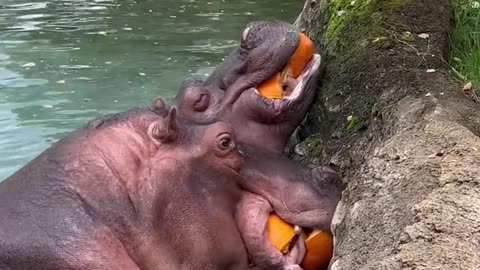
134 190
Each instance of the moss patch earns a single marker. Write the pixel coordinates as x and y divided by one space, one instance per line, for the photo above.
375 111
361 14
407 37
352 122
314 146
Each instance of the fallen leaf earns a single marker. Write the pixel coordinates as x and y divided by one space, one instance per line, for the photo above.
424 35
467 86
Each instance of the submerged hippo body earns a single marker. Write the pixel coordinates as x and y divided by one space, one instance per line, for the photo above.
135 190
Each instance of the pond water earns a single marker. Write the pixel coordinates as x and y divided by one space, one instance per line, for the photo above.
64 62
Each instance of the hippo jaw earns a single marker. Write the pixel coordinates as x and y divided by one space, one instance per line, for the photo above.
268 123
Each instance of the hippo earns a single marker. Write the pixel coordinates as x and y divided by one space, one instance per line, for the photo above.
305 196
300 195
145 189
134 190
230 92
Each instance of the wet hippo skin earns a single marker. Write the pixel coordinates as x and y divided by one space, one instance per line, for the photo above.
135 190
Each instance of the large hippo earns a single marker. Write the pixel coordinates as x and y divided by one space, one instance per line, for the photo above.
230 93
145 190
135 190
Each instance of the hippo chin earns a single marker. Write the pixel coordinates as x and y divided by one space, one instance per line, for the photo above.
230 93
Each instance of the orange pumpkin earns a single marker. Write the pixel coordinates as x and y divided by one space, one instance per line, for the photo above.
272 87
319 250
319 244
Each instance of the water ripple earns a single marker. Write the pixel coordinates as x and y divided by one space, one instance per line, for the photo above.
26 6
65 62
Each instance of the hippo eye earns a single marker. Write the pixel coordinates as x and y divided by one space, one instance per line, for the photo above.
225 142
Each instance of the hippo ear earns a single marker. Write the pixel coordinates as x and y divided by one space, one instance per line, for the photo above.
164 130
158 104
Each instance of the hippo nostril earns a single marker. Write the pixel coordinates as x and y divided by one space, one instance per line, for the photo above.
202 103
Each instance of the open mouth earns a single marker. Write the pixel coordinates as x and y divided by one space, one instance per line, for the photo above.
294 87
291 88
318 244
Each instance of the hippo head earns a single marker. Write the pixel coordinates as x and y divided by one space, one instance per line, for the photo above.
213 142
233 91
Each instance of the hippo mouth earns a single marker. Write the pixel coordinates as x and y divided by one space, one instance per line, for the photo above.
293 88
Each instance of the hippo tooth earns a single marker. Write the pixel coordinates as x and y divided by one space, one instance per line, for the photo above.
297 229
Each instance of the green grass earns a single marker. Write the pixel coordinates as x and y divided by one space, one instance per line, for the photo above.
465 42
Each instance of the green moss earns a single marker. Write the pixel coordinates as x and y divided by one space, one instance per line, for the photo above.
314 146
375 111
365 15
352 122
407 37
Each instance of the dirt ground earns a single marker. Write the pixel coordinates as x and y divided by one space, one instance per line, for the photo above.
403 135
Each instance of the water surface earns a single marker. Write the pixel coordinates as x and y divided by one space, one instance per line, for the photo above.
65 62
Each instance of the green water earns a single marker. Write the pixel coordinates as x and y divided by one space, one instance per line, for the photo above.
65 62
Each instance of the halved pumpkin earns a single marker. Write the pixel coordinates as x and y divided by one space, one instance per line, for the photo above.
319 250
273 87
279 233
319 244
